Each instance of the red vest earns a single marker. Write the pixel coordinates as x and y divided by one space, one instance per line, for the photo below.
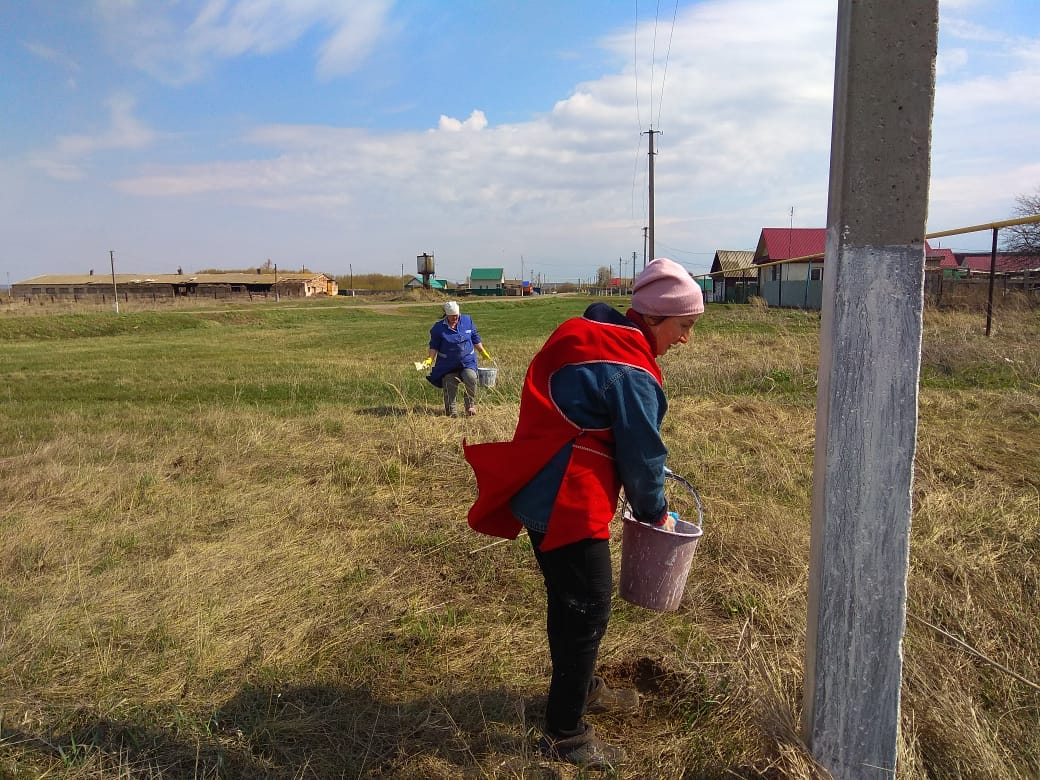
589 492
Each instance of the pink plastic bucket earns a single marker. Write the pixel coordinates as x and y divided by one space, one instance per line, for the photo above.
655 563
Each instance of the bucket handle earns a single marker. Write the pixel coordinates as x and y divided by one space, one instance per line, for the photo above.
669 474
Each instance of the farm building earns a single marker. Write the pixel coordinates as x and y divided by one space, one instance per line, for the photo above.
101 288
734 275
487 281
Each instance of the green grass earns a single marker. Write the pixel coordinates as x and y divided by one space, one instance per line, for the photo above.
234 545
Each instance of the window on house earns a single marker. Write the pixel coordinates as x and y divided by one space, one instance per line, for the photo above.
816 274
774 273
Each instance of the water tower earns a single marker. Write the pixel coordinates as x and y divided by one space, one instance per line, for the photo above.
424 263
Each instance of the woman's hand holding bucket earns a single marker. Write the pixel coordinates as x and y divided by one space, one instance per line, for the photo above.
667 522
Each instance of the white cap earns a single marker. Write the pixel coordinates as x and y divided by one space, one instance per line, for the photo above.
451 308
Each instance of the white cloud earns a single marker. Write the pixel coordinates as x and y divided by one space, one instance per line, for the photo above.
52 55
950 61
739 120
178 43
69 156
745 110
476 121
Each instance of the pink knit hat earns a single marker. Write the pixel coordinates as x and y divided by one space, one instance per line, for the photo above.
666 289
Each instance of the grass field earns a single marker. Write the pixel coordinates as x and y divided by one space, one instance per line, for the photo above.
234 545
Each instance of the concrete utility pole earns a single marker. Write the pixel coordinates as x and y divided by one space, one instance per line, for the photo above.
650 133
115 290
870 358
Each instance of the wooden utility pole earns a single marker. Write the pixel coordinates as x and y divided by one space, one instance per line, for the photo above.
870 359
644 246
115 290
651 153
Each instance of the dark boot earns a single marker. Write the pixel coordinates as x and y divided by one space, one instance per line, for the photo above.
585 750
602 699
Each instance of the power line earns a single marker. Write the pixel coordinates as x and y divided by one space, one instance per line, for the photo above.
635 173
635 62
685 251
653 61
667 55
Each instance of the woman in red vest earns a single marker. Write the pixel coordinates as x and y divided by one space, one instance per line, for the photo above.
590 419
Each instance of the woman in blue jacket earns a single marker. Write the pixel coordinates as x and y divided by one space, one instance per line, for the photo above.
454 343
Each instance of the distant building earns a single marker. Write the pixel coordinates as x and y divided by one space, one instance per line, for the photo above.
735 276
487 281
1011 263
798 284
416 283
798 281
99 288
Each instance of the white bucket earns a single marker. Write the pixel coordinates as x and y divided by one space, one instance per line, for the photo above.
486 376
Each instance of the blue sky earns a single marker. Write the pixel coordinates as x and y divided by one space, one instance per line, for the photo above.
339 135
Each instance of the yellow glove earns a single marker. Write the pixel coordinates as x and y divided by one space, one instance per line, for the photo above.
487 355
428 362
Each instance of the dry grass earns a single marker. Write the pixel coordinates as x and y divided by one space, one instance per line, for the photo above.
223 585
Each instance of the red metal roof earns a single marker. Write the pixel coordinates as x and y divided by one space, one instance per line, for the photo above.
948 259
785 243
1005 263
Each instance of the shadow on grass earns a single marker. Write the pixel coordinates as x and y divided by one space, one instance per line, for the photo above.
294 732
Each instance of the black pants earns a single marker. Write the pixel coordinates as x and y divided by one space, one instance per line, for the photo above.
578 586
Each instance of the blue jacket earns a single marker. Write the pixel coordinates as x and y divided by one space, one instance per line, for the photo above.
606 395
455 348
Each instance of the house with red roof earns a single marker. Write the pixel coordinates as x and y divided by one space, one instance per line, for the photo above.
790 265
944 260
792 284
1007 263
